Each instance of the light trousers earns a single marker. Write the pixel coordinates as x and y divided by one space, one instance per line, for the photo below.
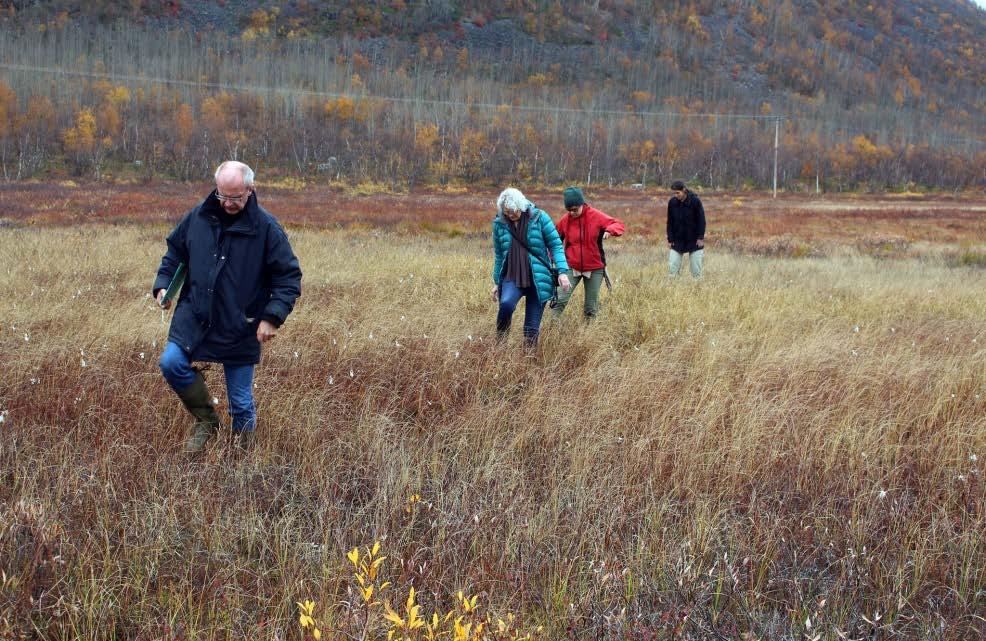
694 262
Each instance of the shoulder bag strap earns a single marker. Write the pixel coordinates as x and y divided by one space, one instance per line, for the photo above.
524 244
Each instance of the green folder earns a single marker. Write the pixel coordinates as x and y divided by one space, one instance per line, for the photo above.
176 282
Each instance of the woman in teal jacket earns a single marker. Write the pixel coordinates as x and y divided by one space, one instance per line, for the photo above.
516 272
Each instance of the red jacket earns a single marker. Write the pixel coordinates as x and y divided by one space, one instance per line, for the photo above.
583 238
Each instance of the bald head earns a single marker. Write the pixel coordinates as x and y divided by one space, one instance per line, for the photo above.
238 168
234 184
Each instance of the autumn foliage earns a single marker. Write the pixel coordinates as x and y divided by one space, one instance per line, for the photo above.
867 97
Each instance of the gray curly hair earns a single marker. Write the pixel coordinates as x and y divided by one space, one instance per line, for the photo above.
511 198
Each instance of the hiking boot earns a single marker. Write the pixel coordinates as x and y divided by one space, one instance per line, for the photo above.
198 402
245 440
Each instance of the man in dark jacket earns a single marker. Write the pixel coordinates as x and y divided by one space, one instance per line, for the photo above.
241 284
686 230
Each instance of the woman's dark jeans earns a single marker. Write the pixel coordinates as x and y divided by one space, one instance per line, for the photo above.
510 295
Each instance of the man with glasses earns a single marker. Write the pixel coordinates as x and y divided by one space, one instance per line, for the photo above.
242 279
686 230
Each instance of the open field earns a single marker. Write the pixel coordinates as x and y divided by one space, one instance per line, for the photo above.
935 218
792 449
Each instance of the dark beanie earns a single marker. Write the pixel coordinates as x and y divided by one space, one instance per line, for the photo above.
678 186
573 197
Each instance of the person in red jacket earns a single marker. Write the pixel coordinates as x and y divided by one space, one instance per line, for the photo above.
582 231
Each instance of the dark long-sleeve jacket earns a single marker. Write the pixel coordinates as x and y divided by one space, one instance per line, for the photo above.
686 223
237 277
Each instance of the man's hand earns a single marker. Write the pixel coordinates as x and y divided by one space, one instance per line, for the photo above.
266 331
495 294
700 243
565 283
606 235
160 295
670 245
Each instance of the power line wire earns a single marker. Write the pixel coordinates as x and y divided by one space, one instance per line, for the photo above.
395 99
261 89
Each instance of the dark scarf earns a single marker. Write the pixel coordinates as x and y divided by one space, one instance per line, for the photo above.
518 263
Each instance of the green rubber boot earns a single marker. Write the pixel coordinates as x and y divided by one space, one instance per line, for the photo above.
198 402
245 441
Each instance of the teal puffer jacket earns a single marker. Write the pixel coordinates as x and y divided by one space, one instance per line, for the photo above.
541 237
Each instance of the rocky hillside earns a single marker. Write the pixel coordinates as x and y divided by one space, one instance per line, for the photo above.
869 92
921 54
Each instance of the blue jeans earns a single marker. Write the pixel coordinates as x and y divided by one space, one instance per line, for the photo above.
533 310
177 370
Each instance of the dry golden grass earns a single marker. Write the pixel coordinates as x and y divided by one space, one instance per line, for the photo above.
791 448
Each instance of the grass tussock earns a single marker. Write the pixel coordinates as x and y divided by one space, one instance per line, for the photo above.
970 258
790 448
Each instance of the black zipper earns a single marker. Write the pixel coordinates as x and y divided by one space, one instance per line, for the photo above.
582 239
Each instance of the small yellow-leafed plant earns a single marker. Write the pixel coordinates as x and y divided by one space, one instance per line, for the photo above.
404 626
367 572
411 502
410 626
462 623
306 619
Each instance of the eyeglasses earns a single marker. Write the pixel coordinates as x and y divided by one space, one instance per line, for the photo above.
231 199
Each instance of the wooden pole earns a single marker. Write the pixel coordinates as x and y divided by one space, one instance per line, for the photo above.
777 130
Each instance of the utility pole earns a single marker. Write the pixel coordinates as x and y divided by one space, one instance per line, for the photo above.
777 133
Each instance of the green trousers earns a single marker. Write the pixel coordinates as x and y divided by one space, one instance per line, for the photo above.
593 282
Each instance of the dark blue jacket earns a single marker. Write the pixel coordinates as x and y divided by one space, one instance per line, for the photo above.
236 278
686 223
